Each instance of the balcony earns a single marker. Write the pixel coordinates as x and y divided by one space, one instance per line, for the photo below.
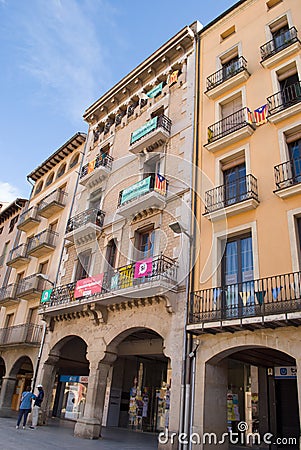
30 288
232 198
228 77
148 193
28 219
52 203
8 295
86 226
266 302
285 103
95 171
119 286
288 178
42 244
229 130
282 46
151 135
18 256
28 334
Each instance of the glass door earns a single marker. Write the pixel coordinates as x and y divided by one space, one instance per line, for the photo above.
295 157
235 184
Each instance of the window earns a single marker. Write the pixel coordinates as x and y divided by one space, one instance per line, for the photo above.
38 187
238 275
272 3
32 315
234 183
131 108
289 85
294 149
280 33
74 161
230 63
95 199
49 179
228 33
298 226
9 320
111 254
159 112
13 223
83 265
144 243
61 171
151 167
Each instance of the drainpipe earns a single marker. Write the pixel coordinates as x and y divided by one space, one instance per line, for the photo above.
185 386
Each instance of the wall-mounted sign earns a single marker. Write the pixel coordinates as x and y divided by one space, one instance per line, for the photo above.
155 90
45 297
74 378
88 286
144 130
136 190
288 373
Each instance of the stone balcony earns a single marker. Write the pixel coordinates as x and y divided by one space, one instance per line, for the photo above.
42 244
85 226
29 219
18 257
27 334
8 295
151 135
52 203
30 288
95 171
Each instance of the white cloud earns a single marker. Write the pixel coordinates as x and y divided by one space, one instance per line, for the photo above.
62 50
8 192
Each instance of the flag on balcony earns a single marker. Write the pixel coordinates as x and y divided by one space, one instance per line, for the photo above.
173 77
249 116
260 115
276 292
143 268
245 296
91 166
160 184
210 135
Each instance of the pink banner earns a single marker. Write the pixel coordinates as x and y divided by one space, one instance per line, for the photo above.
143 268
88 286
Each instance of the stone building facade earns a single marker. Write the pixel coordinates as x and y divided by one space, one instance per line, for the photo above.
116 318
245 308
31 266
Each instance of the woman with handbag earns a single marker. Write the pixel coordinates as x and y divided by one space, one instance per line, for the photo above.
25 406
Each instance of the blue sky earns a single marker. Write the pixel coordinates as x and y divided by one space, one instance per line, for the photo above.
58 56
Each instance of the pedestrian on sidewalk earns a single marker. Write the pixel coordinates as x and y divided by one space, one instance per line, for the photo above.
25 406
37 407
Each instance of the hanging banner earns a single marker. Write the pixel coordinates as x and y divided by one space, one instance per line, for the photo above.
88 286
143 268
136 190
126 276
91 166
155 91
173 77
144 130
45 297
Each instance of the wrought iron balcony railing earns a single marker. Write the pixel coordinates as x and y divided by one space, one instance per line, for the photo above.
90 216
228 125
228 194
28 284
288 173
161 268
57 196
27 333
46 237
278 43
227 71
265 296
153 124
154 182
101 160
18 252
28 215
289 96
7 292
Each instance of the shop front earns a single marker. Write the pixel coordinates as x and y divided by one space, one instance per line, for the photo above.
69 396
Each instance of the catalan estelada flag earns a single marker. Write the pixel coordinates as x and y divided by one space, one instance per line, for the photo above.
160 184
260 115
249 116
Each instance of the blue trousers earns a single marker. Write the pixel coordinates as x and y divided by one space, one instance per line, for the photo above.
23 413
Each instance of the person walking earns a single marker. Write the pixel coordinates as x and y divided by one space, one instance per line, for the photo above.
37 407
25 407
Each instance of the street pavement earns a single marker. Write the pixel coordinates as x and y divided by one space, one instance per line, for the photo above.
58 435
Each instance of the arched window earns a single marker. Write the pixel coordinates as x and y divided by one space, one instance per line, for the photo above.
74 161
38 187
61 171
50 179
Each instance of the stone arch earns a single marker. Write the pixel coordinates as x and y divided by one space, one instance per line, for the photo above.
2 370
113 343
21 364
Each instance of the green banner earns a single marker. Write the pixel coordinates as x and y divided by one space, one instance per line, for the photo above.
45 297
155 91
136 190
145 129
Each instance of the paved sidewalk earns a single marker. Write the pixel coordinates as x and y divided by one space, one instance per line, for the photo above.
58 435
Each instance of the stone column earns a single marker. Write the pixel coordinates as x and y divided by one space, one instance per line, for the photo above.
7 391
47 378
89 426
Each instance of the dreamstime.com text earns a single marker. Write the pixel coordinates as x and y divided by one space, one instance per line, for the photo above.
242 437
